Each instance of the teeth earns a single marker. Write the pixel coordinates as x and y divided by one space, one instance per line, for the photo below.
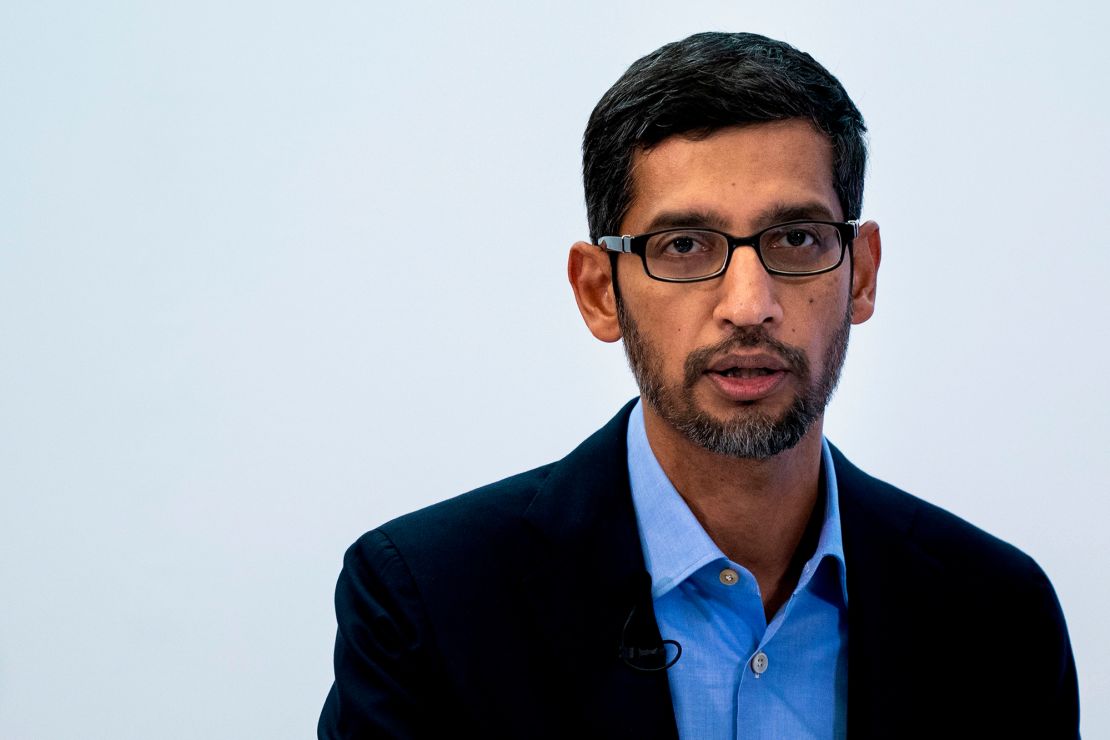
746 372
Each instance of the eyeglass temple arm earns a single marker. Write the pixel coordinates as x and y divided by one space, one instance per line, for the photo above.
616 243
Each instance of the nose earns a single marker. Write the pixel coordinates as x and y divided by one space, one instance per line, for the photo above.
748 293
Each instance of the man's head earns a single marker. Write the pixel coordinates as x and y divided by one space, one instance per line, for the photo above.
736 133
742 364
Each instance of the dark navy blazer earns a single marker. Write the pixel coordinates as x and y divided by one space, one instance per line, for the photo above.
499 614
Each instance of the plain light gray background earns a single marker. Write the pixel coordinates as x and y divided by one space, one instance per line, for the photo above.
272 273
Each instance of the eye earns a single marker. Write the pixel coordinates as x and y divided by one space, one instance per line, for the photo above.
800 247
685 254
683 244
797 238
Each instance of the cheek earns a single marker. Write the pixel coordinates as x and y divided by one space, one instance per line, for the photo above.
813 316
671 317
677 331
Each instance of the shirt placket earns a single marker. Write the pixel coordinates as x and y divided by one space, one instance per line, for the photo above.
756 680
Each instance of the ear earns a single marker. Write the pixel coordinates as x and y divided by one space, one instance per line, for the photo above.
591 278
867 252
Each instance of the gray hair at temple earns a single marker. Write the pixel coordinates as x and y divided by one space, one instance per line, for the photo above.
707 82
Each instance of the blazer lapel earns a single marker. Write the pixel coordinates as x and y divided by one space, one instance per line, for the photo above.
890 582
585 575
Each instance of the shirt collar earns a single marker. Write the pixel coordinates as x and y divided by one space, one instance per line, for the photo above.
674 543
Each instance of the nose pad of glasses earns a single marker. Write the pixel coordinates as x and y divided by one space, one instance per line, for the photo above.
744 257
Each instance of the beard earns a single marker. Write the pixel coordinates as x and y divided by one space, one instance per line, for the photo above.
751 434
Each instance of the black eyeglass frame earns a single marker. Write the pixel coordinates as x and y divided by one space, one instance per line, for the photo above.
634 244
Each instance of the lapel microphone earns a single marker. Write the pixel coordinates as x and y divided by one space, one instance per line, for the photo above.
653 657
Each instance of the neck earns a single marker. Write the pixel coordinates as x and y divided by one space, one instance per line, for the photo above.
761 513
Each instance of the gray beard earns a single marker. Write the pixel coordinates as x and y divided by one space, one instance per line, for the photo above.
755 435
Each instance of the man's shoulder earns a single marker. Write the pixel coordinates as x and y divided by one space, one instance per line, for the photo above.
567 492
959 543
921 579
492 523
933 533
481 517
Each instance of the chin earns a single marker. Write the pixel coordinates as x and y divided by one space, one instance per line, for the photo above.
747 430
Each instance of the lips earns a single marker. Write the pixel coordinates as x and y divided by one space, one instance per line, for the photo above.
740 362
747 377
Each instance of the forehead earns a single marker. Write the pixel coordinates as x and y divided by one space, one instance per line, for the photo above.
740 176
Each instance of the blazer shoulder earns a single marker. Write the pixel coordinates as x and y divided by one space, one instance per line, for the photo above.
483 515
917 569
500 518
953 542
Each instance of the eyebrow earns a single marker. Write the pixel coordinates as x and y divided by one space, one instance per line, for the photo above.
692 219
776 214
781 212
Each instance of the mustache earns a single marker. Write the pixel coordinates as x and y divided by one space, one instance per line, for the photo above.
746 337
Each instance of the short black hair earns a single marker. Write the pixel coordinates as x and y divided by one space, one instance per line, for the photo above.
704 83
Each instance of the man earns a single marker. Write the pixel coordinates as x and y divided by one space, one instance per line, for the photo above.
706 565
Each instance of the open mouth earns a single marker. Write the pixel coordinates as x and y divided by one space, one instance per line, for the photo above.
746 372
743 377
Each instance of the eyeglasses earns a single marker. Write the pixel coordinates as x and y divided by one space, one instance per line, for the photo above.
689 255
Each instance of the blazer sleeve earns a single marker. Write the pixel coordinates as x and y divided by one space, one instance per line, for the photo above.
1059 717
381 653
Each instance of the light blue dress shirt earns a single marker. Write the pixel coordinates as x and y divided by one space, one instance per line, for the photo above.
740 677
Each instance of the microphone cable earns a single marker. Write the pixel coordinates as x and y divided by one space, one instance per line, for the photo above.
655 655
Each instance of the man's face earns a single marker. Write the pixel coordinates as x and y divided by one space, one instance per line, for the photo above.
744 364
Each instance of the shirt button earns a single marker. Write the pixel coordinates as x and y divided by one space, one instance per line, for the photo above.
759 663
729 577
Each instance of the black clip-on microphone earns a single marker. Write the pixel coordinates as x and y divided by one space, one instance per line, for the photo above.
629 653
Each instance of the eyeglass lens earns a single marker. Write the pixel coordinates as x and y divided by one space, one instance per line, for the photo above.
791 248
